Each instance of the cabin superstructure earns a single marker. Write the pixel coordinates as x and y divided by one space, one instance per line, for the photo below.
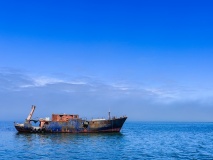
64 117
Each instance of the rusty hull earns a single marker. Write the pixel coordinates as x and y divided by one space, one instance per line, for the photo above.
74 126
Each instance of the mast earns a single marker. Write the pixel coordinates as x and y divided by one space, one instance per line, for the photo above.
109 115
31 113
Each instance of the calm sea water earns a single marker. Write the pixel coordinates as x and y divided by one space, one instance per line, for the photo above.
137 140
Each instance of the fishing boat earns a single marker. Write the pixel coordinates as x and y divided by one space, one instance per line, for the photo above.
70 123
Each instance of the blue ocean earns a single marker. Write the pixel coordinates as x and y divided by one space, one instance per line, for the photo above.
137 140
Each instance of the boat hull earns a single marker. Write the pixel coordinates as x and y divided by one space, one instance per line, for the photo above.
74 126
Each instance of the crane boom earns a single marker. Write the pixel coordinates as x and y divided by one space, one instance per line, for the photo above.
31 113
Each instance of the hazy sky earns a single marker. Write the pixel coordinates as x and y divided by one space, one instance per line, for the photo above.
149 60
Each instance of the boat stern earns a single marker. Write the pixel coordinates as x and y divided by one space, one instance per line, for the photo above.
24 127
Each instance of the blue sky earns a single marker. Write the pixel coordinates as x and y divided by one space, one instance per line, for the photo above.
151 61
